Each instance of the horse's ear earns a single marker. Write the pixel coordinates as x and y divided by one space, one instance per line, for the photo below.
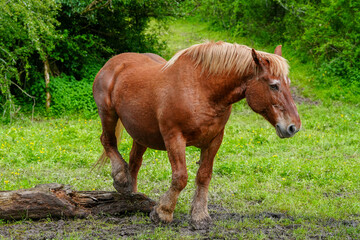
260 62
278 50
255 57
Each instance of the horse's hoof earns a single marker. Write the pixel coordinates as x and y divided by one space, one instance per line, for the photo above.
202 224
122 182
154 216
123 188
162 218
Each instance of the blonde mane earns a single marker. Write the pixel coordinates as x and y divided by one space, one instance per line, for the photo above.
223 57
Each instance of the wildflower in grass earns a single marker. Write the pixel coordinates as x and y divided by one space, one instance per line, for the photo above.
283 179
275 156
6 182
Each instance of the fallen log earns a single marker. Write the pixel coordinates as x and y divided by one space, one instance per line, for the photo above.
58 201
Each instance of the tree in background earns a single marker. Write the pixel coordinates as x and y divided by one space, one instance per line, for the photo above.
68 41
27 30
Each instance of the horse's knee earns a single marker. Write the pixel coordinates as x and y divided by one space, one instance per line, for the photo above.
179 180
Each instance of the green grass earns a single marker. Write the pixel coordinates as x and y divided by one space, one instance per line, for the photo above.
313 178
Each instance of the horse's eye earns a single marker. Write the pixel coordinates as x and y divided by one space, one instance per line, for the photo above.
274 87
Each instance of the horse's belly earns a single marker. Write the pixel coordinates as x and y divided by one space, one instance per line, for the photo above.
143 129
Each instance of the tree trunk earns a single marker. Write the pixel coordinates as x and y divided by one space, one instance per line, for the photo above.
57 201
47 82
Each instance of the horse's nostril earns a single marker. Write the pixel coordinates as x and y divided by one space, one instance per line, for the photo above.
291 129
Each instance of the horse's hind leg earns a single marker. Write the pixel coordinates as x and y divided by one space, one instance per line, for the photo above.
200 217
135 161
120 170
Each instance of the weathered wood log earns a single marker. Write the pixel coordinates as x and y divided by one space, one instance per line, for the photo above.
58 200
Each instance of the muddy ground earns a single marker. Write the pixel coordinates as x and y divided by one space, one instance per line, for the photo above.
226 224
134 225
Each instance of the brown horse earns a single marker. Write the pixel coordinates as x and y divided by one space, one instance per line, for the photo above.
187 102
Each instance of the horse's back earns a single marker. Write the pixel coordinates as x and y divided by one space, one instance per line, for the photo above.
123 67
155 57
133 59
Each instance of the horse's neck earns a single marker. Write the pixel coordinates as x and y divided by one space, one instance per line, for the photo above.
227 89
221 89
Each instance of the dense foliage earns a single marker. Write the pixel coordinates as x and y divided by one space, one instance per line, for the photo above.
74 39
70 36
326 32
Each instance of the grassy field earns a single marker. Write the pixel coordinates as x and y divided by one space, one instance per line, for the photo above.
263 186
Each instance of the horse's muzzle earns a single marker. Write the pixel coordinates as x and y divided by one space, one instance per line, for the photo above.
286 132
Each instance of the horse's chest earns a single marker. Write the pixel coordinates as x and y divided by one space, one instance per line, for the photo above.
203 130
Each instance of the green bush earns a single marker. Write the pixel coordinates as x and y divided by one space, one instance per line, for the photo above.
324 32
68 36
70 96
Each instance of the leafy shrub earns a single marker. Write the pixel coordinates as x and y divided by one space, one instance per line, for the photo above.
70 96
325 32
67 35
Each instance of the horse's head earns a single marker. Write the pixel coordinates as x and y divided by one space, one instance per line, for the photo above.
270 96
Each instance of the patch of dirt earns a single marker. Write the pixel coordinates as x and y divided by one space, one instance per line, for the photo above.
226 225
298 98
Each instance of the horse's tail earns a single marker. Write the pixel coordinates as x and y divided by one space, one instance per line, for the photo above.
103 157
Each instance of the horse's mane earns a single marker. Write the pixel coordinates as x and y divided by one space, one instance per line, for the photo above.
223 57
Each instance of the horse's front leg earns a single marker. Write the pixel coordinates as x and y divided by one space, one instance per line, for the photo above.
200 217
163 211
